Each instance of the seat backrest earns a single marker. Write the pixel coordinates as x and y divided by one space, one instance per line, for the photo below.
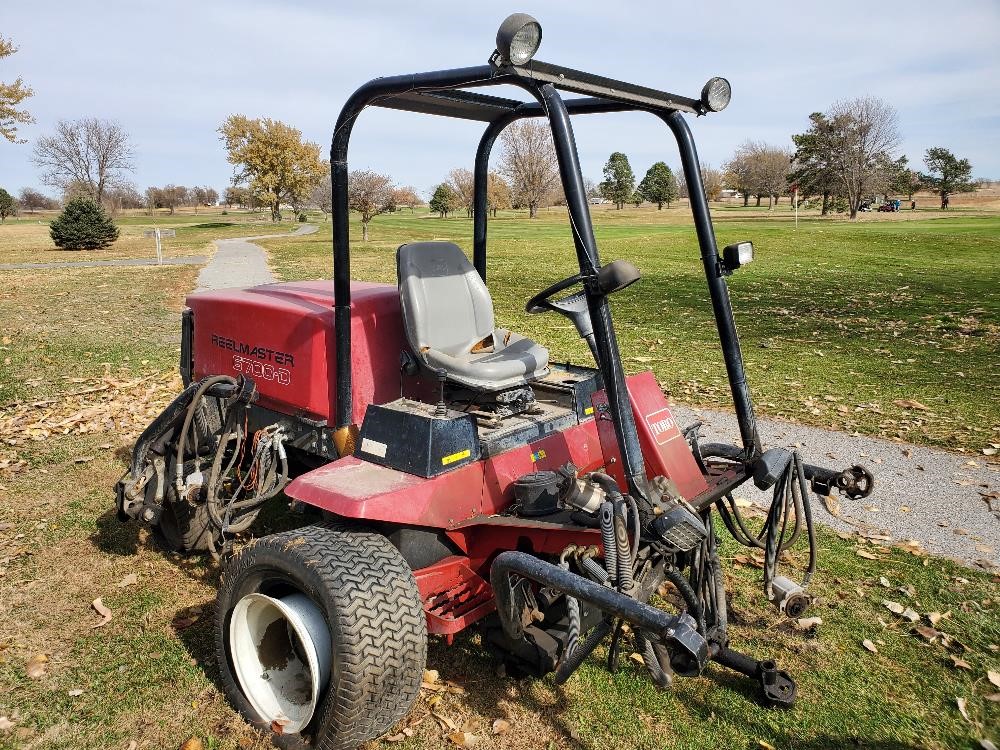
446 305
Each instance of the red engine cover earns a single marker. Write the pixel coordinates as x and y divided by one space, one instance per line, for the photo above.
281 335
664 449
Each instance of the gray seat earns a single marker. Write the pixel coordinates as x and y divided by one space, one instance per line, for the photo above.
448 317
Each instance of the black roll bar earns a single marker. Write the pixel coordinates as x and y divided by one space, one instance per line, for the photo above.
438 93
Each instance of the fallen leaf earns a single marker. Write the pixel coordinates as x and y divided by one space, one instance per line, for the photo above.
444 721
895 607
807 623
501 726
991 451
928 634
463 739
637 658
396 737
128 580
103 611
909 403
994 677
960 663
909 614
6 724
987 745
831 504
963 709
885 582
993 697
35 668
75 692
431 676
869 645
193 743
865 554
766 745
933 617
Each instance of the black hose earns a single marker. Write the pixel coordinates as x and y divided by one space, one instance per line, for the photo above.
569 665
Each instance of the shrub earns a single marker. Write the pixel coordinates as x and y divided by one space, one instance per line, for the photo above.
8 207
225 213
83 225
302 218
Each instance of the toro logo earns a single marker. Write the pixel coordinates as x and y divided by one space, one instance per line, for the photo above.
662 425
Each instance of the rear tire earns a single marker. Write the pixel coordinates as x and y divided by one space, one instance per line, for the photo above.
375 617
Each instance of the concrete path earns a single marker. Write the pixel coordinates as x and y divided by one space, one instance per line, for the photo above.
189 260
920 493
239 262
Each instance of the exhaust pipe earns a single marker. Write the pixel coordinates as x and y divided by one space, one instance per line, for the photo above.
281 652
676 632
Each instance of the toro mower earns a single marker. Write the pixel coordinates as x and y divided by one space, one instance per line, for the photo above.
452 474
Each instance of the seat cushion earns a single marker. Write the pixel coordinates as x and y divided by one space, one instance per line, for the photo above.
519 361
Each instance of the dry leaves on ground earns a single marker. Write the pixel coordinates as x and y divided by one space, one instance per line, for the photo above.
103 611
35 668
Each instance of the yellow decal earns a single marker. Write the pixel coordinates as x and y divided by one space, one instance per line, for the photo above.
456 457
589 410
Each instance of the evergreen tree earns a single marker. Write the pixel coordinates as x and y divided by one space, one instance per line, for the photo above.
814 163
659 186
83 225
444 200
7 205
619 180
948 174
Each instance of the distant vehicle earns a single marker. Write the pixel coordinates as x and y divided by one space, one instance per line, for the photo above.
891 205
597 201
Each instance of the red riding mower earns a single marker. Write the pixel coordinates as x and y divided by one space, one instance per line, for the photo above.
457 476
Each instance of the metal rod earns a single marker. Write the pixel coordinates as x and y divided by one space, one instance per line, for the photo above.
719 292
655 621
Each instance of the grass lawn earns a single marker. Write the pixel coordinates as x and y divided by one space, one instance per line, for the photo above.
843 325
88 356
26 240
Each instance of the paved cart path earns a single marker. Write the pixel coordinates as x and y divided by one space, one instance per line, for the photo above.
920 493
239 262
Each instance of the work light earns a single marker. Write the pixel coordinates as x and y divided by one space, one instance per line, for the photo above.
736 255
518 38
716 94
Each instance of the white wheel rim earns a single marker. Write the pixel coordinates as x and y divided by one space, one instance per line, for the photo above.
282 682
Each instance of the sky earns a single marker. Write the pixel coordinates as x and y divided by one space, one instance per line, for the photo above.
170 73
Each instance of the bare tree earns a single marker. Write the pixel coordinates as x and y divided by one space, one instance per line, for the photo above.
122 195
91 153
866 135
769 168
322 195
31 200
712 180
497 193
529 163
738 171
462 183
370 194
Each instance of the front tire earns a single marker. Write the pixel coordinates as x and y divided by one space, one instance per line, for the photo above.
375 616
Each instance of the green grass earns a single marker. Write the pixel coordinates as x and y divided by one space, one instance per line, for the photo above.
838 320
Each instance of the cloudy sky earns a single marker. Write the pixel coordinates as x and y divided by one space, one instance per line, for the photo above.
170 73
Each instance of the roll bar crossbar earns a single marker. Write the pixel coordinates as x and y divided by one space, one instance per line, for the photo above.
443 93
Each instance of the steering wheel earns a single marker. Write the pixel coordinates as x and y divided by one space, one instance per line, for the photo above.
541 302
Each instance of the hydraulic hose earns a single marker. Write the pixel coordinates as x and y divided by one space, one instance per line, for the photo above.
623 551
569 665
608 540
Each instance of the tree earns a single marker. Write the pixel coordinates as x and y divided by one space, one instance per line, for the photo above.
8 206
169 196
591 188
444 200
31 200
406 196
813 163
322 194
89 153
237 196
864 136
659 186
462 184
619 181
498 196
948 174
712 181
738 171
11 95
370 194
271 159
83 225
529 164
122 195
770 166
